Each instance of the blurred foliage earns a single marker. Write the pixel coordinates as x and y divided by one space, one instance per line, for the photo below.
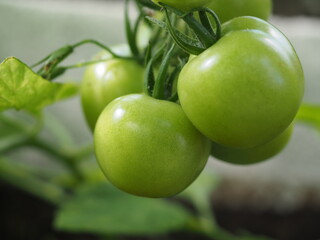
103 209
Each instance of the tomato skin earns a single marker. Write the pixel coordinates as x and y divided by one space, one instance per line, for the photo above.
148 147
228 9
246 89
252 155
185 5
105 81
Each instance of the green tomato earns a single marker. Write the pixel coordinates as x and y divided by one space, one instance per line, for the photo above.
247 88
105 81
252 155
228 9
148 147
185 5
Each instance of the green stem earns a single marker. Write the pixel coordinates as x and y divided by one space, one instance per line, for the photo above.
158 91
216 19
205 22
131 35
28 137
13 142
83 152
148 82
94 42
56 56
200 31
84 64
309 113
185 45
26 181
66 160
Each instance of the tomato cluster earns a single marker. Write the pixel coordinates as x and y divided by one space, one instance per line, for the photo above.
237 99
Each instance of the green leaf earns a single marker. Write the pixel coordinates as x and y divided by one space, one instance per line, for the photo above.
105 210
21 88
310 114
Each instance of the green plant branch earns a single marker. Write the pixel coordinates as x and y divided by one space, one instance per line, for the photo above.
159 86
67 160
94 42
200 31
13 142
84 64
131 34
83 152
29 183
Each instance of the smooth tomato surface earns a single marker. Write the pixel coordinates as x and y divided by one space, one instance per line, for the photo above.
185 5
252 155
105 81
148 147
246 89
228 9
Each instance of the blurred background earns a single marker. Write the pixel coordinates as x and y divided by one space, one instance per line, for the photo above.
279 198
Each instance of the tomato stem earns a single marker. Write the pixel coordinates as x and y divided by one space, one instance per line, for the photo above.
158 91
183 41
94 42
66 160
132 34
200 31
20 178
50 70
83 64
215 17
203 30
149 75
206 22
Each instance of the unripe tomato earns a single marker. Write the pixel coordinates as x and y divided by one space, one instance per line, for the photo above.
252 155
247 88
105 81
228 9
148 147
185 5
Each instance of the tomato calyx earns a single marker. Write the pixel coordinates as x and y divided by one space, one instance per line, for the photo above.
51 69
206 34
161 85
